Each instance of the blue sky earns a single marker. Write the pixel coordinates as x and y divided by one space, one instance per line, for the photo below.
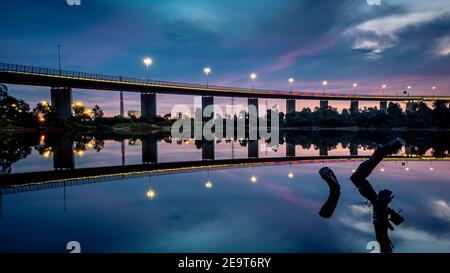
399 43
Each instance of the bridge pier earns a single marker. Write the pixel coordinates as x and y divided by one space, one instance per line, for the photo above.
383 105
208 153
149 151
207 101
63 156
61 99
253 149
353 149
323 151
354 107
290 106
254 102
323 104
290 150
148 105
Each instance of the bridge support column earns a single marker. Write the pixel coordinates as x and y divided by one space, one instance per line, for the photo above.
61 98
323 151
253 149
354 107
148 105
208 153
290 106
383 105
290 150
207 101
122 110
353 149
254 102
63 157
323 104
149 151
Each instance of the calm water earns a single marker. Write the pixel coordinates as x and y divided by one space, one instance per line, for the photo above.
275 214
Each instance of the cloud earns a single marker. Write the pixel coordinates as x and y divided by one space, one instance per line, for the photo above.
375 35
443 48
441 210
390 26
372 48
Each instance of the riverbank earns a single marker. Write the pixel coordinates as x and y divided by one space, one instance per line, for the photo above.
121 128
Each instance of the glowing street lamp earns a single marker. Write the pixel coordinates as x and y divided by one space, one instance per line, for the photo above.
290 173
207 70
291 82
383 87
151 194
434 90
409 89
208 184
253 77
148 62
355 86
253 179
324 84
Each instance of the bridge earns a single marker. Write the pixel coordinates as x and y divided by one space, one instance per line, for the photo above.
62 82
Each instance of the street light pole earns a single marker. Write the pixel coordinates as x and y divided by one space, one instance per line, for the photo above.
59 58
383 87
324 84
355 86
253 77
291 82
207 70
147 61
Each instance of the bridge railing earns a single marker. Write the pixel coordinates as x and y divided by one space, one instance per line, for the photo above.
5 67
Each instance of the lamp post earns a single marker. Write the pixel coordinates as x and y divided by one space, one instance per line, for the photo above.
383 87
355 86
409 89
207 70
59 57
434 90
291 82
324 84
147 61
253 77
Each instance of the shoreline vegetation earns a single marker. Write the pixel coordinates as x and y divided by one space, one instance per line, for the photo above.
16 117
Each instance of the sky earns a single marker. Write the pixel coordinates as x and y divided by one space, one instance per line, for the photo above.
398 43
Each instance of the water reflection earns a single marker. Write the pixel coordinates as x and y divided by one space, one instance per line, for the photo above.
155 193
75 151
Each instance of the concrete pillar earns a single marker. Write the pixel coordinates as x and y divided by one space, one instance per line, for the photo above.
206 101
290 150
353 149
149 151
290 106
354 106
254 102
253 149
61 98
148 105
323 151
383 105
122 110
323 104
63 156
208 153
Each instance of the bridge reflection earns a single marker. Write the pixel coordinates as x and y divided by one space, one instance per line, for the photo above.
63 177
